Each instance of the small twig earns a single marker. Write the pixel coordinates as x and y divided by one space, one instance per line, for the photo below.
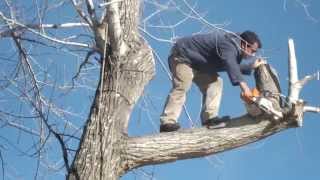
311 109
92 12
38 106
63 148
72 150
82 65
70 136
23 128
38 166
109 3
81 13
155 38
15 147
306 10
2 165
285 5
204 21
308 78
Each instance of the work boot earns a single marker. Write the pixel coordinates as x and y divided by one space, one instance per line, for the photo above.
217 122
169 127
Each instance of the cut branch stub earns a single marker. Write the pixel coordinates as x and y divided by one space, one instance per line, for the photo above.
297 111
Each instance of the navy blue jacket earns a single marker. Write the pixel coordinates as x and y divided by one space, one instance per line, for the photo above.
214 52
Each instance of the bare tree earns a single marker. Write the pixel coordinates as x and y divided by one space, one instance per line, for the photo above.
109 44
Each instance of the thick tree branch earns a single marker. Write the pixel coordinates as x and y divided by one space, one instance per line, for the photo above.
199 142
118 46
20 29
14 23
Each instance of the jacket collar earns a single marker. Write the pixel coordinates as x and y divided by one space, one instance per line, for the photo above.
234 38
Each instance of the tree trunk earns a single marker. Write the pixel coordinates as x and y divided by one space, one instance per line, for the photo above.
99 155
128 68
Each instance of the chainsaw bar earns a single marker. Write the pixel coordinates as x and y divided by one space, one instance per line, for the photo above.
266 106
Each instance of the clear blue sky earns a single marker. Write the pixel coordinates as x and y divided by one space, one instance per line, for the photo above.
292 154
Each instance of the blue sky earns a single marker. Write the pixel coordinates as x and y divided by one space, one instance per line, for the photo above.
292 154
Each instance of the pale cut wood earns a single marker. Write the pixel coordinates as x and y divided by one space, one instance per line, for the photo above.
294 89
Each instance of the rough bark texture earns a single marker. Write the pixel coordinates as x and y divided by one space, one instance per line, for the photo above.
99 154
267 82
198 142
105 152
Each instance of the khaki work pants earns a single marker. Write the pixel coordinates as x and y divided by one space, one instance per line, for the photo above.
182 77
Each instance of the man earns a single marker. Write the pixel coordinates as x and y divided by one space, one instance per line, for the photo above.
198 59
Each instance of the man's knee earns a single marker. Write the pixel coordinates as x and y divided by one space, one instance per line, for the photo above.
219 82
216 86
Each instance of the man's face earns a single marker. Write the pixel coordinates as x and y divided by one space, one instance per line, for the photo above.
249 50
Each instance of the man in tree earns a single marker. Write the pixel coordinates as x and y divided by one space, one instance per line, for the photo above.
198 59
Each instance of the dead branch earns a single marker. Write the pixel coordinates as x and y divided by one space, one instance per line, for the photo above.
13 23
296 85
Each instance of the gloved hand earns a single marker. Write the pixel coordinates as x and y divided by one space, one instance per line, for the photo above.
247 96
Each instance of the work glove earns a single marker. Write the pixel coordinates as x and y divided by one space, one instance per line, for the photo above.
249 95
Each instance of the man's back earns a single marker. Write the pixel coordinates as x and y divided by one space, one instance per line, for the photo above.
207 52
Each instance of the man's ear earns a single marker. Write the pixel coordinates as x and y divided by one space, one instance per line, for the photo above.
242 45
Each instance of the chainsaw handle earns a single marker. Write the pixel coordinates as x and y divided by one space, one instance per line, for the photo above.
248 98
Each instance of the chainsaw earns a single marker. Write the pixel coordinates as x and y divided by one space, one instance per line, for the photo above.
260 104
266 106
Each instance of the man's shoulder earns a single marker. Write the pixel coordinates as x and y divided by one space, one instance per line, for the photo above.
230 42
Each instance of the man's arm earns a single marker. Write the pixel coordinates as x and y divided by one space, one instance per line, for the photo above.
229 56
246 93
246 68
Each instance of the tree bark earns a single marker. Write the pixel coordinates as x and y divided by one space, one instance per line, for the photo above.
99 154
126 73
199 142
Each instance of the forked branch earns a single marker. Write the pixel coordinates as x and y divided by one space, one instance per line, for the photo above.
296 85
